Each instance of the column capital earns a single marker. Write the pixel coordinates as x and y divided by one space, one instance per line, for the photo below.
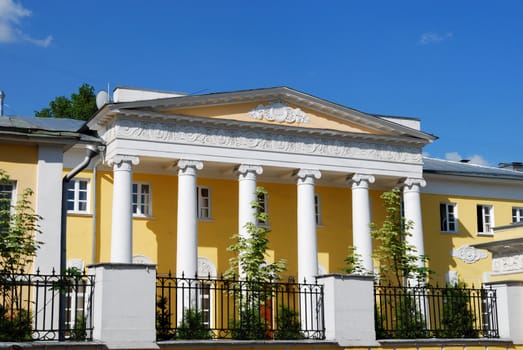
120 158
360 180
305 173
243 169
188 166
413 184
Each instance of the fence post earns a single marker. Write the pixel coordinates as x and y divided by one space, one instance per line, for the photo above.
124 305
349 309
509 296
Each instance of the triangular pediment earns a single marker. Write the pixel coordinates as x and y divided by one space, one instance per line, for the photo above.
276 107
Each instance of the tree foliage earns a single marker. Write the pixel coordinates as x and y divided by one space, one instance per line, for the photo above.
251 251
18 228
398 260
80 105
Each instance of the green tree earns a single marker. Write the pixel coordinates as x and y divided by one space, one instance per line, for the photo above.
18 229
18 245
398 260
81 105
251 251
256 291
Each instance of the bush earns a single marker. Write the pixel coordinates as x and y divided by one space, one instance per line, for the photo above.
15 326
458 319
288 325
192 326
79 331
250 326
163 320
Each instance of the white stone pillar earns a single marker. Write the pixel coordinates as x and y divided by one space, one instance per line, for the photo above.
187 230
122 229
361 219
247 195
124 305
307 240
412 209
349 309
509 317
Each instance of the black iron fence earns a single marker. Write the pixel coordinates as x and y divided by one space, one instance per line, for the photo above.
435 312
29 306
219 308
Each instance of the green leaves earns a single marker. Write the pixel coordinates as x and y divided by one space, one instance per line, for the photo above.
81 105
251 251
397 258
18 227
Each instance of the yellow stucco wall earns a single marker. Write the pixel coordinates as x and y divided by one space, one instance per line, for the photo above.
241 112
20 163
439 245
155 237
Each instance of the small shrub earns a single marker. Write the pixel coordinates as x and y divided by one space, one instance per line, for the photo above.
192 326
79 330
16 326
288 325
163 320
250 326
458 319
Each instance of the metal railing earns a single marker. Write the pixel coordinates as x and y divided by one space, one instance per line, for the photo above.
435 312
219 308
29 306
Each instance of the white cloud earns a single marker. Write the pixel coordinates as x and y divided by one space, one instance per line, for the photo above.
473 159
432 38
11 15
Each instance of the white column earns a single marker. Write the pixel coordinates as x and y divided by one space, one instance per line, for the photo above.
361 219
122 229
49 205
307 241
187 230
247 195
412 208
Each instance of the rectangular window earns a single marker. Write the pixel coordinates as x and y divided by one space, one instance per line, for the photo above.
7 201
448 217
78 196
485 216
141 199
262 202
203 203
517 214
317 209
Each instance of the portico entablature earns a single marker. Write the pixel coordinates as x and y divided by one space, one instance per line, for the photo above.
236 142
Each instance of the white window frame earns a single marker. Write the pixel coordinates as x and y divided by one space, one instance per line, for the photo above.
317 210
517 214
74 187
486 220
200 199
142 207
450 217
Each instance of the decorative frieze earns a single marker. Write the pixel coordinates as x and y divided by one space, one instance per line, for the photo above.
469 254
279 112
207 135
507 263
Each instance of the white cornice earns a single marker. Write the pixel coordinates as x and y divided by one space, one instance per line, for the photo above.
250 126
281 93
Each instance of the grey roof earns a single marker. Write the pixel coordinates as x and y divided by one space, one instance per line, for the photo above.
447 167
48 124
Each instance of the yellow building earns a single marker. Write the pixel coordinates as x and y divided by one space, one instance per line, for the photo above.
178 173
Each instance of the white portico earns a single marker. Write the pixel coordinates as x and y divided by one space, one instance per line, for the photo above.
275 135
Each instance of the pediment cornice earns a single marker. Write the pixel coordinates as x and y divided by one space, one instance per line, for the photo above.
138 115
291 96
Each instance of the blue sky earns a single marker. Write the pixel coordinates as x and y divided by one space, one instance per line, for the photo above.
457 65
